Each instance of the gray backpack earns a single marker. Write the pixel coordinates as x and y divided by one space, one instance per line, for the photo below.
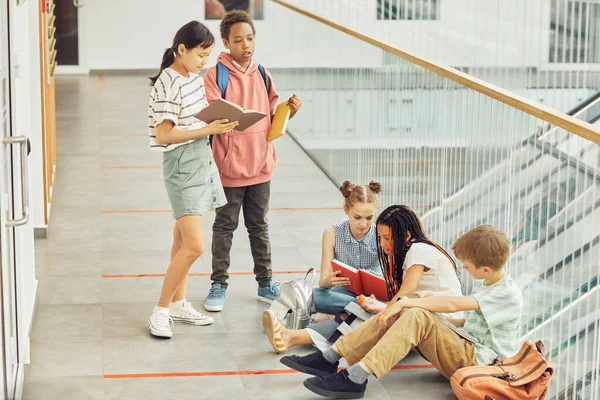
295 304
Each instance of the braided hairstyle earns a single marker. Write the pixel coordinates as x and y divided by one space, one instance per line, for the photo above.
401 220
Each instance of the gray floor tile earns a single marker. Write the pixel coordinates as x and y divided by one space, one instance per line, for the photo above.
183 353
69 290
131 290
243 316
57 388
73 263
254 352
66 320
65 356
181 388
405 383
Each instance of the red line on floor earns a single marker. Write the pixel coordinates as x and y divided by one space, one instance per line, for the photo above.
100 82
109 276
229 373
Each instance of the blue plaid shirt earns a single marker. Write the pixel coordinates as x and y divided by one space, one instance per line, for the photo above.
361 254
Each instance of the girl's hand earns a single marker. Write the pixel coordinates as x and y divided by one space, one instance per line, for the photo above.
372 305
221 126
388 316
295 104
338 281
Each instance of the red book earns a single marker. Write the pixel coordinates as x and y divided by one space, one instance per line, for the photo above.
362 281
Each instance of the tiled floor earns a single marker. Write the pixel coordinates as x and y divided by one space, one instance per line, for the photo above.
109 217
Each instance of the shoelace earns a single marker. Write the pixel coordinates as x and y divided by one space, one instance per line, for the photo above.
275 287
187 307
333 377
163 320
216 291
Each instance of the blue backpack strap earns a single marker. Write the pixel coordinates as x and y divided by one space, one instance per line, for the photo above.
222 78
265 77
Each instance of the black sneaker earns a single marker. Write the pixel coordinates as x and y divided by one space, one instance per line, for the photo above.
312 364
336 386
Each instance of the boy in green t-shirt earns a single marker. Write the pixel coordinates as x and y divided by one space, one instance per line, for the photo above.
493 316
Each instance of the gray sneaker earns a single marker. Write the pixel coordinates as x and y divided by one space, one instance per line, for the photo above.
269 293
216 298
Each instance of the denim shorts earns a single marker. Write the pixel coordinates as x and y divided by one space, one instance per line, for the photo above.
192 179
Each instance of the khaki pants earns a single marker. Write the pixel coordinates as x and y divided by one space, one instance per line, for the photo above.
381 349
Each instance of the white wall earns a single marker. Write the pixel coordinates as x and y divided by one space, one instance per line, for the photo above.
133 34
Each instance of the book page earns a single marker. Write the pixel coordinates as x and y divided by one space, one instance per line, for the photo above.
223 109
249 118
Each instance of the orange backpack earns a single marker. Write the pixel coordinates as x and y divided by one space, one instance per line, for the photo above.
524 376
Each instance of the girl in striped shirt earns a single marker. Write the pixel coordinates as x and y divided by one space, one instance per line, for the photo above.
191 177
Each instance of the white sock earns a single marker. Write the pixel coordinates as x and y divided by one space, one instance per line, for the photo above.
176 306
164 310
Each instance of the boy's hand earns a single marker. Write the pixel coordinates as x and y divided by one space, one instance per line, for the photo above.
388 316
295 104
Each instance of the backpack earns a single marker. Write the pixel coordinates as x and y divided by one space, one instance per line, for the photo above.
524 376
222 78
295 303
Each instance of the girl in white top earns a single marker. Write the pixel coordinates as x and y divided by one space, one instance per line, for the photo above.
413 265
191 178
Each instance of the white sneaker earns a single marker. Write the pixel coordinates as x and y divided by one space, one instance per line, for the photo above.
188 315
159 324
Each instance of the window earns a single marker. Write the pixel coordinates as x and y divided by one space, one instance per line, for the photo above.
407 9
574 31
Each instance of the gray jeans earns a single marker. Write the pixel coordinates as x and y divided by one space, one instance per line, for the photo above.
254 201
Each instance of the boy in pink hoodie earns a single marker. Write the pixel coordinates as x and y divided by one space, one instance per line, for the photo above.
245 159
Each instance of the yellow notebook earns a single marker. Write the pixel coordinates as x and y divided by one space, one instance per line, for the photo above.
280 120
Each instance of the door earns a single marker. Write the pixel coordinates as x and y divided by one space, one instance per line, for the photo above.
13 213
68 21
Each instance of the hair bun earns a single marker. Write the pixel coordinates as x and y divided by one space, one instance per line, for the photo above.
375 187
347 188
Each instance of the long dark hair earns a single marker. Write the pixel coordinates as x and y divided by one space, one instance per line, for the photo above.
191 35
401 220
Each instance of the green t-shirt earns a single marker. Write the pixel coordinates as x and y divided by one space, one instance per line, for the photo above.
497 322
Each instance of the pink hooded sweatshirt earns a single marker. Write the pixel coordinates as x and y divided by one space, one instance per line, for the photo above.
244 158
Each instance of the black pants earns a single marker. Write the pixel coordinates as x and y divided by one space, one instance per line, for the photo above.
254 200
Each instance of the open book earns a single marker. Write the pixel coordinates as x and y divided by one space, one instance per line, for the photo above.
280 120
362 281
223 109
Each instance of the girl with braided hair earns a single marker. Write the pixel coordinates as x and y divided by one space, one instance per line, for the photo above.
413 265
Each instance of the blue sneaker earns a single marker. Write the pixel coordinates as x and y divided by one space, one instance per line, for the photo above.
216 298
269 293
